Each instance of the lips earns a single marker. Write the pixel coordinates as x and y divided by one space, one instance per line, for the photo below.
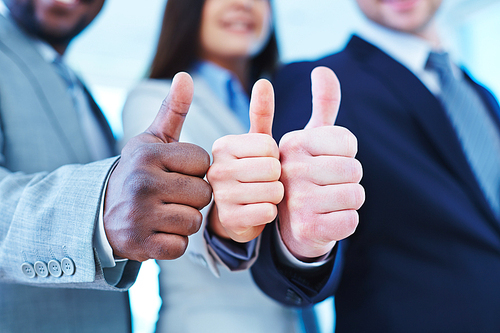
401 5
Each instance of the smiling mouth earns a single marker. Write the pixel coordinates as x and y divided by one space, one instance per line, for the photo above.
238 26
71 2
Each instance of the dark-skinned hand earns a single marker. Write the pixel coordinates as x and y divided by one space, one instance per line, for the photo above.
155 192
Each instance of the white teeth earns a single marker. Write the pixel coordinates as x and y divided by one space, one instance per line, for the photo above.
67 2
238 26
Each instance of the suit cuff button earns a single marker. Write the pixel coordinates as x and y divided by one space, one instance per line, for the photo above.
41 269
28 270
68 266
55 268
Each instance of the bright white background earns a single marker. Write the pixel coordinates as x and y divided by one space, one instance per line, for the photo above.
113 54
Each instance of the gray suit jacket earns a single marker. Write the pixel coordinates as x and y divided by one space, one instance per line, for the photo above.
49 199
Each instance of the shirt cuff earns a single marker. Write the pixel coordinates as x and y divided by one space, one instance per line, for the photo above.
231 253
100 240
287 258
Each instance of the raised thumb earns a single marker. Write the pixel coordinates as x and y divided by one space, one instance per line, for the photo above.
262 107
325 97
168 122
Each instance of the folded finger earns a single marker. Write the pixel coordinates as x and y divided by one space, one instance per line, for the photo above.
324 170
244 146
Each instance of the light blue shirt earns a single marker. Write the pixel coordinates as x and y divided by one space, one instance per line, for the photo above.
227 88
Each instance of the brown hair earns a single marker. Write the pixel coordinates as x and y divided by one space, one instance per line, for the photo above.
178 44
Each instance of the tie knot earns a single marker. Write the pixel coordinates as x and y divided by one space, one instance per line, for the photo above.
64 72
440 63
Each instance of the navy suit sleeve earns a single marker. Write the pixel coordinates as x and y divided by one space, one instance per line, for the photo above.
293 286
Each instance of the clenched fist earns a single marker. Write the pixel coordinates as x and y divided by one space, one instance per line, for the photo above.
245 172
320 176
155 192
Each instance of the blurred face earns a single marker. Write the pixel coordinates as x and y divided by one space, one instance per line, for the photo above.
234 29
410 16
55 21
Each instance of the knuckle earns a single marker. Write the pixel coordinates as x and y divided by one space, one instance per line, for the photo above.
350 169
269 146
145 154
222 145
342 225
217 173
192 152
347 141
295 169
357 170
290 142
350 140
279 192
213 174
172 250
274 167
350 196
194 224
348 223
268 213
296 204
205 193
360 196
132 245
223 196
139 183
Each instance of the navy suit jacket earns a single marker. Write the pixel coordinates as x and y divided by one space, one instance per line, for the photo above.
426 254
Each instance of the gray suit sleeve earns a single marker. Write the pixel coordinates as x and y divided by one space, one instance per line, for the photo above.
49 218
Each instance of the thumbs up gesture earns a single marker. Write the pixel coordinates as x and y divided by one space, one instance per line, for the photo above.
245 173
320 176
155 192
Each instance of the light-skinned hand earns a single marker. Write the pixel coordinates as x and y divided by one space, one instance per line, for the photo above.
245 173
320 175
155 192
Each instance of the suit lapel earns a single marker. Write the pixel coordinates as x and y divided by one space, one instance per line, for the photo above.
51 91
425 108
225 119
104 125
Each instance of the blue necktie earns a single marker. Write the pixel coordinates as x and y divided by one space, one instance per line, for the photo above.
474 126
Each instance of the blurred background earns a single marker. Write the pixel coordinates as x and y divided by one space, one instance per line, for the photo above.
113 54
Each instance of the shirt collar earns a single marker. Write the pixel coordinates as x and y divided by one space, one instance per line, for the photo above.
46 51
219 79
226 87
409 50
